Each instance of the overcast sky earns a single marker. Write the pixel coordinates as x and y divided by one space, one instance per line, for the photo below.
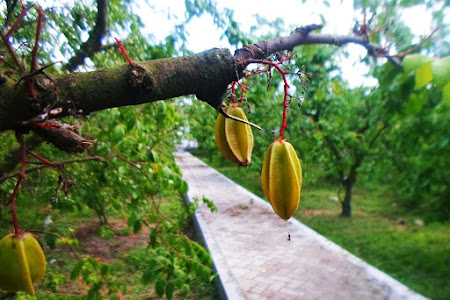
340 17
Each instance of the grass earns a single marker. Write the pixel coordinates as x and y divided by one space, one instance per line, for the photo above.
379 232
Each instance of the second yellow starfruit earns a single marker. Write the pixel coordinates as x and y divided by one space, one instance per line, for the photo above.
234 139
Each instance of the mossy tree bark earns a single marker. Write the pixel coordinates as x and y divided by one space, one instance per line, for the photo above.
205 75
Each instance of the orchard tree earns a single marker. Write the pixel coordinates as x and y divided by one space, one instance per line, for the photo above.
131 147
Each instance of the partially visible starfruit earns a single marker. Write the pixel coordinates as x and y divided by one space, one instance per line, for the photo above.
281 178
22 263
234 139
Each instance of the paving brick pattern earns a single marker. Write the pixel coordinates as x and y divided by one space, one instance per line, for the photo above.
254 258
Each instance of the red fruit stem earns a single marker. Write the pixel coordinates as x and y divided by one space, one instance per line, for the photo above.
12 199
23 154
283 73
233 91
122 49
244 90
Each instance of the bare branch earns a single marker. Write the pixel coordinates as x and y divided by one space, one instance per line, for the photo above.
302 36
63 162
94 43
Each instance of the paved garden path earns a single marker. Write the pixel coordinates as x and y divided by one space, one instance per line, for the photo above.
254 258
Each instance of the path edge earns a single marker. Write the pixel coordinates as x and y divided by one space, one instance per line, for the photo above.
228 285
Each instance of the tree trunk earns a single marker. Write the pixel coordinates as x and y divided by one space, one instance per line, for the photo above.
347 203
348 184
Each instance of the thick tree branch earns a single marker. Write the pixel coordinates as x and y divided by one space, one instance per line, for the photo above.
94 43
205 74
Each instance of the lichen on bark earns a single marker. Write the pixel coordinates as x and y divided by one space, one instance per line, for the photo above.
205 75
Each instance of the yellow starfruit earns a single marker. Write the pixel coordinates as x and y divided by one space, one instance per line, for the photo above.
22 262
234 139
281 178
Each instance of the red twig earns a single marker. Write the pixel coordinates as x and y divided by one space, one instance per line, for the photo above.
12 53
12 199
45 161
18 20
122 49
277 66
34 64
23 154
404 53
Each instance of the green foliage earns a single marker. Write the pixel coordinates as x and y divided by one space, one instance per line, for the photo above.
209 203
96 275
417 140
172 262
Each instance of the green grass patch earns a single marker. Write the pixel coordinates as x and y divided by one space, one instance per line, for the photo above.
382 234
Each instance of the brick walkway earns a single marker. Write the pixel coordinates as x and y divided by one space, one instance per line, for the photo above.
254 258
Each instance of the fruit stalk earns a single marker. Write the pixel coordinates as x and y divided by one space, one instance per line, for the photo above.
12 199
286 86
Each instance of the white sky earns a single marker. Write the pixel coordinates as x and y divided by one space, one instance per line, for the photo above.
340 17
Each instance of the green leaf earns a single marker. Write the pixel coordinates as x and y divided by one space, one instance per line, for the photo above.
415 104
441 71
320 94
409 3
137 227
446 94
423 75
104 270
118 133
184 187
149 274
322 19
414 61
170 288
76 269
160 287
132 219
153 237
50 240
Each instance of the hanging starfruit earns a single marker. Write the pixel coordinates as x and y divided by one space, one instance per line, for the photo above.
281 178
22 263
234 139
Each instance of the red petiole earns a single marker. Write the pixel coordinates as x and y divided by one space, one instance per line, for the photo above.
122 49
